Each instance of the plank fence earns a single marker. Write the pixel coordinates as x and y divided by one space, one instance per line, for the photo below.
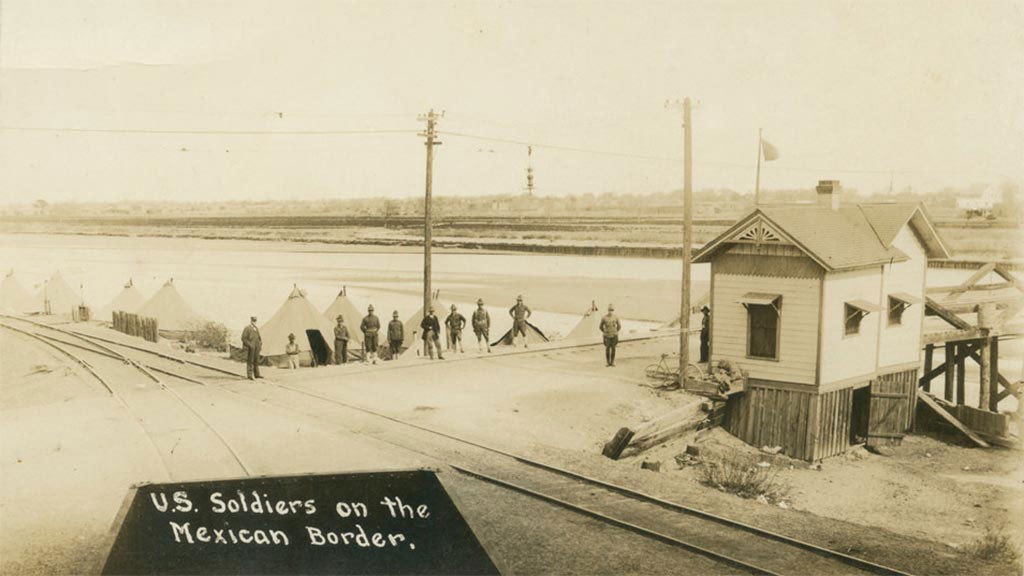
134 325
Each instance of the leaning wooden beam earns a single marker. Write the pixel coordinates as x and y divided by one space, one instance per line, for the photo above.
974 355
1001 303
972 280
934 405
1005 274
975 288
665 427
941 311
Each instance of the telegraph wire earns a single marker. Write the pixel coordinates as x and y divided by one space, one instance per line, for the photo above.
205 132
471 136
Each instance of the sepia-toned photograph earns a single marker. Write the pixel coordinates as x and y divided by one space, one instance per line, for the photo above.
538 287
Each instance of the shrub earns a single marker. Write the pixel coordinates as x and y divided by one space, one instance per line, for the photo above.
744 478
994 545
209 335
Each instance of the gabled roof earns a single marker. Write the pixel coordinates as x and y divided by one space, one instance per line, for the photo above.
887 219
835 239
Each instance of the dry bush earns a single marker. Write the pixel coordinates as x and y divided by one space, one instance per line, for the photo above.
209 335
994 545
744 478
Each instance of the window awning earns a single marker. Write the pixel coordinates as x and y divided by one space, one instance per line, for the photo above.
864 305
760 298
905 297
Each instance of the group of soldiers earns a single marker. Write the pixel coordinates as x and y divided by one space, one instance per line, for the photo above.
370 327
430 326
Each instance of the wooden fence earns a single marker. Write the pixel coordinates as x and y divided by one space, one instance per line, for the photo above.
135 325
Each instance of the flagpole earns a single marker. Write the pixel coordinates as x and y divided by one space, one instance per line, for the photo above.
757 183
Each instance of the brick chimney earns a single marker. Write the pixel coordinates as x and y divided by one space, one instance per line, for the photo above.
828 193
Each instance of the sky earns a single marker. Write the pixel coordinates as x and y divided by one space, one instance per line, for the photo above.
109 100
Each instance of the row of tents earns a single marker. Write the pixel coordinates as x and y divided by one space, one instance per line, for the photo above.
172 312
314 331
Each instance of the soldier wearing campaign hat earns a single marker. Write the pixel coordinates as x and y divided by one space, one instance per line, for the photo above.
482 326
370 327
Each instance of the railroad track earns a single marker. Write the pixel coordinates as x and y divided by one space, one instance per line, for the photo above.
738 546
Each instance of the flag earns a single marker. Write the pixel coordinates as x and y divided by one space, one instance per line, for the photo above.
770 152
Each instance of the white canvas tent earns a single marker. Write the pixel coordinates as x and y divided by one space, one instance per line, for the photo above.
13 296
589 327
343 306
173 313
313 332
128 300
57 297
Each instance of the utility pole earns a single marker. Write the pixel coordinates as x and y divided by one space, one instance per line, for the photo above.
431 135
684 305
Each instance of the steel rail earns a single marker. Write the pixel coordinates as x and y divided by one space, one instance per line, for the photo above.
144 370
861 563
77 360
616 522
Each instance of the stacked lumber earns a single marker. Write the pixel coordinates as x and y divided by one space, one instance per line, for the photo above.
658 430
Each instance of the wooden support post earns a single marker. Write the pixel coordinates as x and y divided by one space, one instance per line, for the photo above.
993 361
961 372
929 353
950 360
986 373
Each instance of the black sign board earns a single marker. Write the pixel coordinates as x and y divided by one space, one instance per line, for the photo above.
362 523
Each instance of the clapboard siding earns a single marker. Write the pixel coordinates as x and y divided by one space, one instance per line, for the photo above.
901 344
847 357
798 323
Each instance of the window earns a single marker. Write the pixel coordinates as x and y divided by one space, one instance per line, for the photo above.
854 316
763 312
896 308
854 313
898 303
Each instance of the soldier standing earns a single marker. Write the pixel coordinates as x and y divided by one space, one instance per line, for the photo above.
341 341
610 327
482 326
431 328
455 323
705 334
519 313
396 335
370 327
252 343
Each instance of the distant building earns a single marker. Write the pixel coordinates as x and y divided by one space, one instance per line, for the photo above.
823 306
983 203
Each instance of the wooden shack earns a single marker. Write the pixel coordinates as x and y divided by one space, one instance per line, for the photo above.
823 305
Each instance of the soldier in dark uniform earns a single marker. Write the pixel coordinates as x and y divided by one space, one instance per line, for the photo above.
455 323
519 313
431 328
341 341
252 342
370 327
705 334
396 335
610 327
482 326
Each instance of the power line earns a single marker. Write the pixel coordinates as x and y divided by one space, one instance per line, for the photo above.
202 132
